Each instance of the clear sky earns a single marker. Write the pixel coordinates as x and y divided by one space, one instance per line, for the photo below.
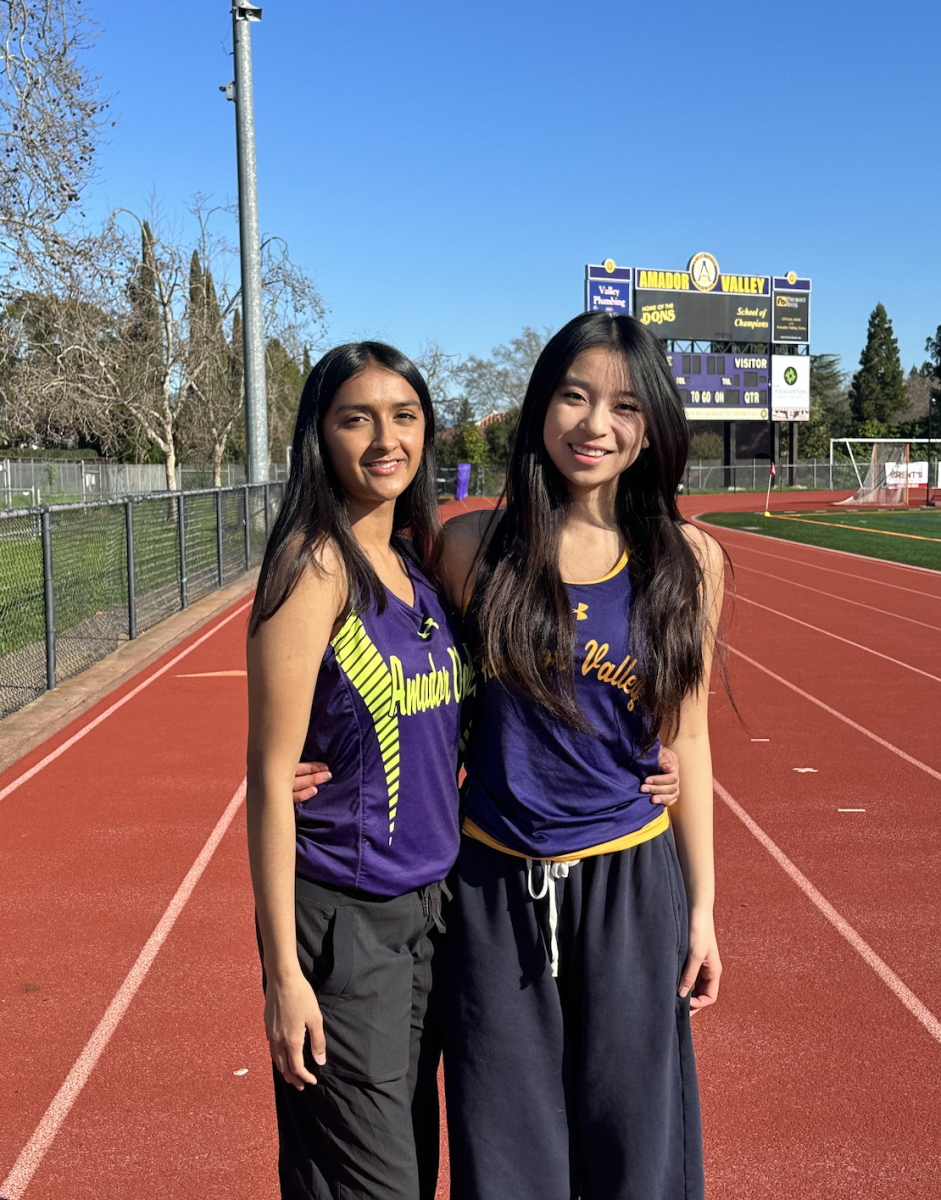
445 170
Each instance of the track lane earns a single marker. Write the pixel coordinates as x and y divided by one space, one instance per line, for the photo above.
876 571
876 693
815 1082
164 1112
94 847
882 868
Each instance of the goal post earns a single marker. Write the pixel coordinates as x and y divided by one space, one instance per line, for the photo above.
882 471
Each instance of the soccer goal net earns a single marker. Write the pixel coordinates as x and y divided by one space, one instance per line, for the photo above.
882 470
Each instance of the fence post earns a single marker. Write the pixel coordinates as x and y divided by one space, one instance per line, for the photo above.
131 587
248 533
267 507
49 600
182 514
220 567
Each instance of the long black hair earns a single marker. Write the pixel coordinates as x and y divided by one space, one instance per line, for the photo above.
313 511
520 614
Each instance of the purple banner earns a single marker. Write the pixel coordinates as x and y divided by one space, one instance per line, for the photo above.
463 481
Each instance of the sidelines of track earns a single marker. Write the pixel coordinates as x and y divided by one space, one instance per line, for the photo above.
710 529
868 579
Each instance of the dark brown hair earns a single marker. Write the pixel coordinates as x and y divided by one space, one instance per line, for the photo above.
314 510
520 616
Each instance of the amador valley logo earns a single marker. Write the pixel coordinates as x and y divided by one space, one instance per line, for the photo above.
703 271
790 376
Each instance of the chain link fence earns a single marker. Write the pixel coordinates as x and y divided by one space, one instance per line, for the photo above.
78 579
29 482
752 475
701 475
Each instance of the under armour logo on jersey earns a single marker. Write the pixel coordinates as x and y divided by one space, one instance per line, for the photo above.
425 631
581 612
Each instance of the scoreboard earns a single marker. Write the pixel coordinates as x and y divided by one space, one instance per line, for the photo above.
731 324
723 387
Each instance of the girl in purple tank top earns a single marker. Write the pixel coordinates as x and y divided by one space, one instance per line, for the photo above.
581 933
353 658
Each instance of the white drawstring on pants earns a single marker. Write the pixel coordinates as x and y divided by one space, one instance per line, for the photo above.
551 871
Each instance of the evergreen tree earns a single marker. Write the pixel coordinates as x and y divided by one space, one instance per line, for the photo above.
471 446
932 368
878 390
829 410
196 290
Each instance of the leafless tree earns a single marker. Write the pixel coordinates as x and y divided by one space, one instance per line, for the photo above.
498 383
51 113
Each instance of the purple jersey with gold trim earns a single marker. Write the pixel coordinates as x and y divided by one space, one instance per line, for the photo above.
539 786
385 718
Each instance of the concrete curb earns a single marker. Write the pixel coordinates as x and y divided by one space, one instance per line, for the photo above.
31 725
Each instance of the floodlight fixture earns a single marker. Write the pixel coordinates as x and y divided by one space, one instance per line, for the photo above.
243 11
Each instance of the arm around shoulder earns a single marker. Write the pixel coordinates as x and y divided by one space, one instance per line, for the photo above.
462 539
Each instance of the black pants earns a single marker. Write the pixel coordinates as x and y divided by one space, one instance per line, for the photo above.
582 1085
369 1129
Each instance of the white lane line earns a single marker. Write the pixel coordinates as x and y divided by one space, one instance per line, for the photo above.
212 675
918 1010
761 739
77 737
840 716
850 810
886 612
35 1149
898 587
826 632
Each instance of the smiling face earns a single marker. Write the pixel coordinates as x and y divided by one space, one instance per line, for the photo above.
594 429
374 433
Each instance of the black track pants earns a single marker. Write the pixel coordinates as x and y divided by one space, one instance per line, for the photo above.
580 1086
369 1129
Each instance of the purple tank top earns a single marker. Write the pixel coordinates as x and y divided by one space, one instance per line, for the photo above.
385 718
543 788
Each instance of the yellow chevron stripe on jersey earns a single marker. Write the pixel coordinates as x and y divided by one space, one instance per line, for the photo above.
366 670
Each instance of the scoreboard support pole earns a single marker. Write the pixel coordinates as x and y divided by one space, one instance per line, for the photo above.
792 427
728 454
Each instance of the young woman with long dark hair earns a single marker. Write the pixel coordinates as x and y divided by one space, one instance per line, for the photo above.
353 659
581 931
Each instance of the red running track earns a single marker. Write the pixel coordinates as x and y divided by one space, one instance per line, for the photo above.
819 1066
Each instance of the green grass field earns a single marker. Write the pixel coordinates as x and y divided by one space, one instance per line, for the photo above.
90 565
912 537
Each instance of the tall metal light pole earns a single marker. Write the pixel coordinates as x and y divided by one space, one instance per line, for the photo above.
253 325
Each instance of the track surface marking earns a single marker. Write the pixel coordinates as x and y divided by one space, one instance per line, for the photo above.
35 1150
919 1011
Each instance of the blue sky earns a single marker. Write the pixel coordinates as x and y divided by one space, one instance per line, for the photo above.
446 170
